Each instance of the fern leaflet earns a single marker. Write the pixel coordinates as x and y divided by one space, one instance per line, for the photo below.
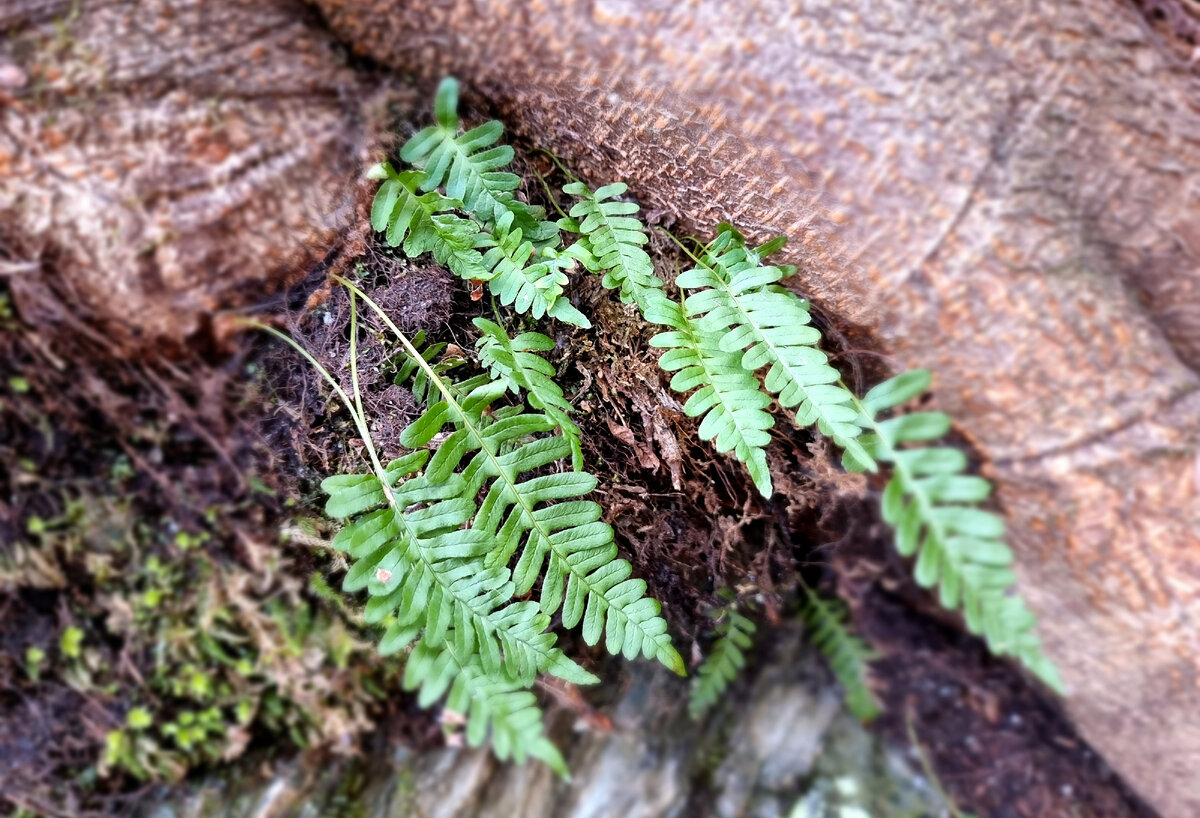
933 507
584 576
846 653
469 165
729 397
734 636
514 361
739 299
614 240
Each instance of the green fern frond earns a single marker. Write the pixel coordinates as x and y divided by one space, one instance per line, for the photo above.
584 576
514 361
933 507
614 239
846 653
734 636
739 300
729 398
494 706
414 376
423 223
426 573
470 166
528 279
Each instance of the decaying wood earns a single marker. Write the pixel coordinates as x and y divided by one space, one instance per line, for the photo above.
1005 193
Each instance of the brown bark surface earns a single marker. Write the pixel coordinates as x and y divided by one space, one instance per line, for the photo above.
1004 193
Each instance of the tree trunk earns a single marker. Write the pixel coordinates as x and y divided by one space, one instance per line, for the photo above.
1005 194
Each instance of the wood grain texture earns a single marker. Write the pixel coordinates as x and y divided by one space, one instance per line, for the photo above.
165 158
1004 193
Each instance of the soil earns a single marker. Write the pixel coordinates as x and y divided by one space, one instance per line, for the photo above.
688 519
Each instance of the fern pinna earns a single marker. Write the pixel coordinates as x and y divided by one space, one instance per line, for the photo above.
734 636
933 507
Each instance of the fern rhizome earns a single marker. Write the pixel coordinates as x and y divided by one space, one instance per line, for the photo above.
471 543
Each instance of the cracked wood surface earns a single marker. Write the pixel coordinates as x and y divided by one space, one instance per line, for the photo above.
1005 193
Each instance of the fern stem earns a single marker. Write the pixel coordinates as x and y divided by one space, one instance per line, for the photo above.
360 422
518 496
363 428
550 194
559 163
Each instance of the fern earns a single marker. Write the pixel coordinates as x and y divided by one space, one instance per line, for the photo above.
933 507
738 300
469 165
846 653
425 573
513 361
527 285
426 223
614 240
729 397
494 706
584 576
734 636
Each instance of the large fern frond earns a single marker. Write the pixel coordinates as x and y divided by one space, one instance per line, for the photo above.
933 507
539 516
614 239
736 297
846 653
493 705
734 636
729 398
470 166
425 572
514 360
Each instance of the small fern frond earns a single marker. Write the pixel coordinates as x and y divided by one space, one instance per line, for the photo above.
514 360
470 166
426 223
738 299
528 279
614 239
584 575
729 398
846 653
418 382
734 636
933 507
494 706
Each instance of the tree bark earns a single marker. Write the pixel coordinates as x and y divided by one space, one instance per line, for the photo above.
1005 194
